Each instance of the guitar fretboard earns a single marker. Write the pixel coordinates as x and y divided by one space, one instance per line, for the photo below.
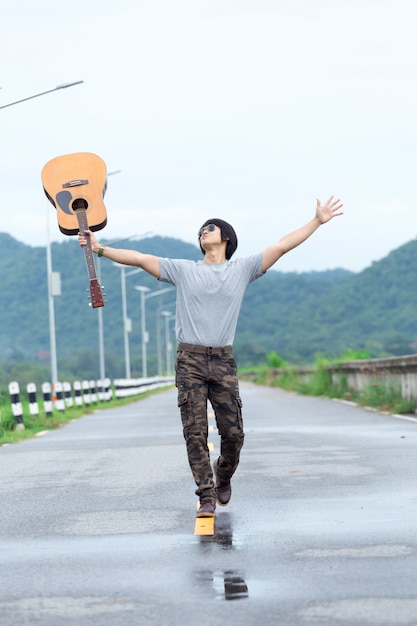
95 289
89 257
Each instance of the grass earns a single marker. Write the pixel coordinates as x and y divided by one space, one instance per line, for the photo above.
34 424
319 383
386 399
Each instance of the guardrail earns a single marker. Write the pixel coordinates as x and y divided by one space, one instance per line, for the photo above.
124 387
86 392
399 372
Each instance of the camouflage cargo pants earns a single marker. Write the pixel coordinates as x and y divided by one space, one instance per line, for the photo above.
209 374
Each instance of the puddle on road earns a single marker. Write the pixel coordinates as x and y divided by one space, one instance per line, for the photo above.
235 587
223 533
226 584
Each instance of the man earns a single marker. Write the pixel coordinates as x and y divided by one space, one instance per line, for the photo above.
209 297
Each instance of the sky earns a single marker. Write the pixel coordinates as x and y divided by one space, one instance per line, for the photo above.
246 110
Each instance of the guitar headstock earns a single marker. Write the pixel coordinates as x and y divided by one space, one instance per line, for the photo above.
96 294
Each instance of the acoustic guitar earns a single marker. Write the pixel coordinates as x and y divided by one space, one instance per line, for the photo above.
75 184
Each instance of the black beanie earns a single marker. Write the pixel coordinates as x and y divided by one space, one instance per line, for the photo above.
228 234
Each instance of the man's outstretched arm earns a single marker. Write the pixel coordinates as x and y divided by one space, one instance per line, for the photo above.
324 213
148 262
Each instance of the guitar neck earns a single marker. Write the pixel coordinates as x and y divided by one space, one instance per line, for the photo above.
95 289
89 256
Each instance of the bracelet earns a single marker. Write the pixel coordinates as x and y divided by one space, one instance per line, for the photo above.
101 250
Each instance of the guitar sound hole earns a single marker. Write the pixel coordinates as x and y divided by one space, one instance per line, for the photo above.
79 203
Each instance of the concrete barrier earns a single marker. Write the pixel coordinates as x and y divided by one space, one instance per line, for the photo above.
32 399
86 392
398 372
17 409
47 399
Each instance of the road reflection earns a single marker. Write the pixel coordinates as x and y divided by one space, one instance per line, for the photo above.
226 584
223 532
235 587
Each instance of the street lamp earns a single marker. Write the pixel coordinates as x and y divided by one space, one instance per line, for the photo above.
100 309
144 334
159 333
36 95
101 359
168 346
53 278
171 367
127 322
145 337
54 289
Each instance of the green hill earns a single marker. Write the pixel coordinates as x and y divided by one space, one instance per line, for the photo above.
296 315
329 313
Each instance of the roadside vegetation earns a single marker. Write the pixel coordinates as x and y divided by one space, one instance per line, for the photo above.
35 424
278 373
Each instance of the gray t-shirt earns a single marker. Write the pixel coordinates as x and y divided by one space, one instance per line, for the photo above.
209 297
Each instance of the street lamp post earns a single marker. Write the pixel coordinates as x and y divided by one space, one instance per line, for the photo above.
53 278
102 361
54 289
100 325
144 334
171 367
168 346
127 322
42 93
145 337
159 333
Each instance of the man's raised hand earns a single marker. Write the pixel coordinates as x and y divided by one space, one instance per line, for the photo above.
325 212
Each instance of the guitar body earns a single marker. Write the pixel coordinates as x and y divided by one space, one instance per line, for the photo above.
75 184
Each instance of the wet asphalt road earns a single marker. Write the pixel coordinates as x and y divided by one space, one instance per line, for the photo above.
97 520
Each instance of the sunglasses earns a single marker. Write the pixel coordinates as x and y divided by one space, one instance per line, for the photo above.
209 228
